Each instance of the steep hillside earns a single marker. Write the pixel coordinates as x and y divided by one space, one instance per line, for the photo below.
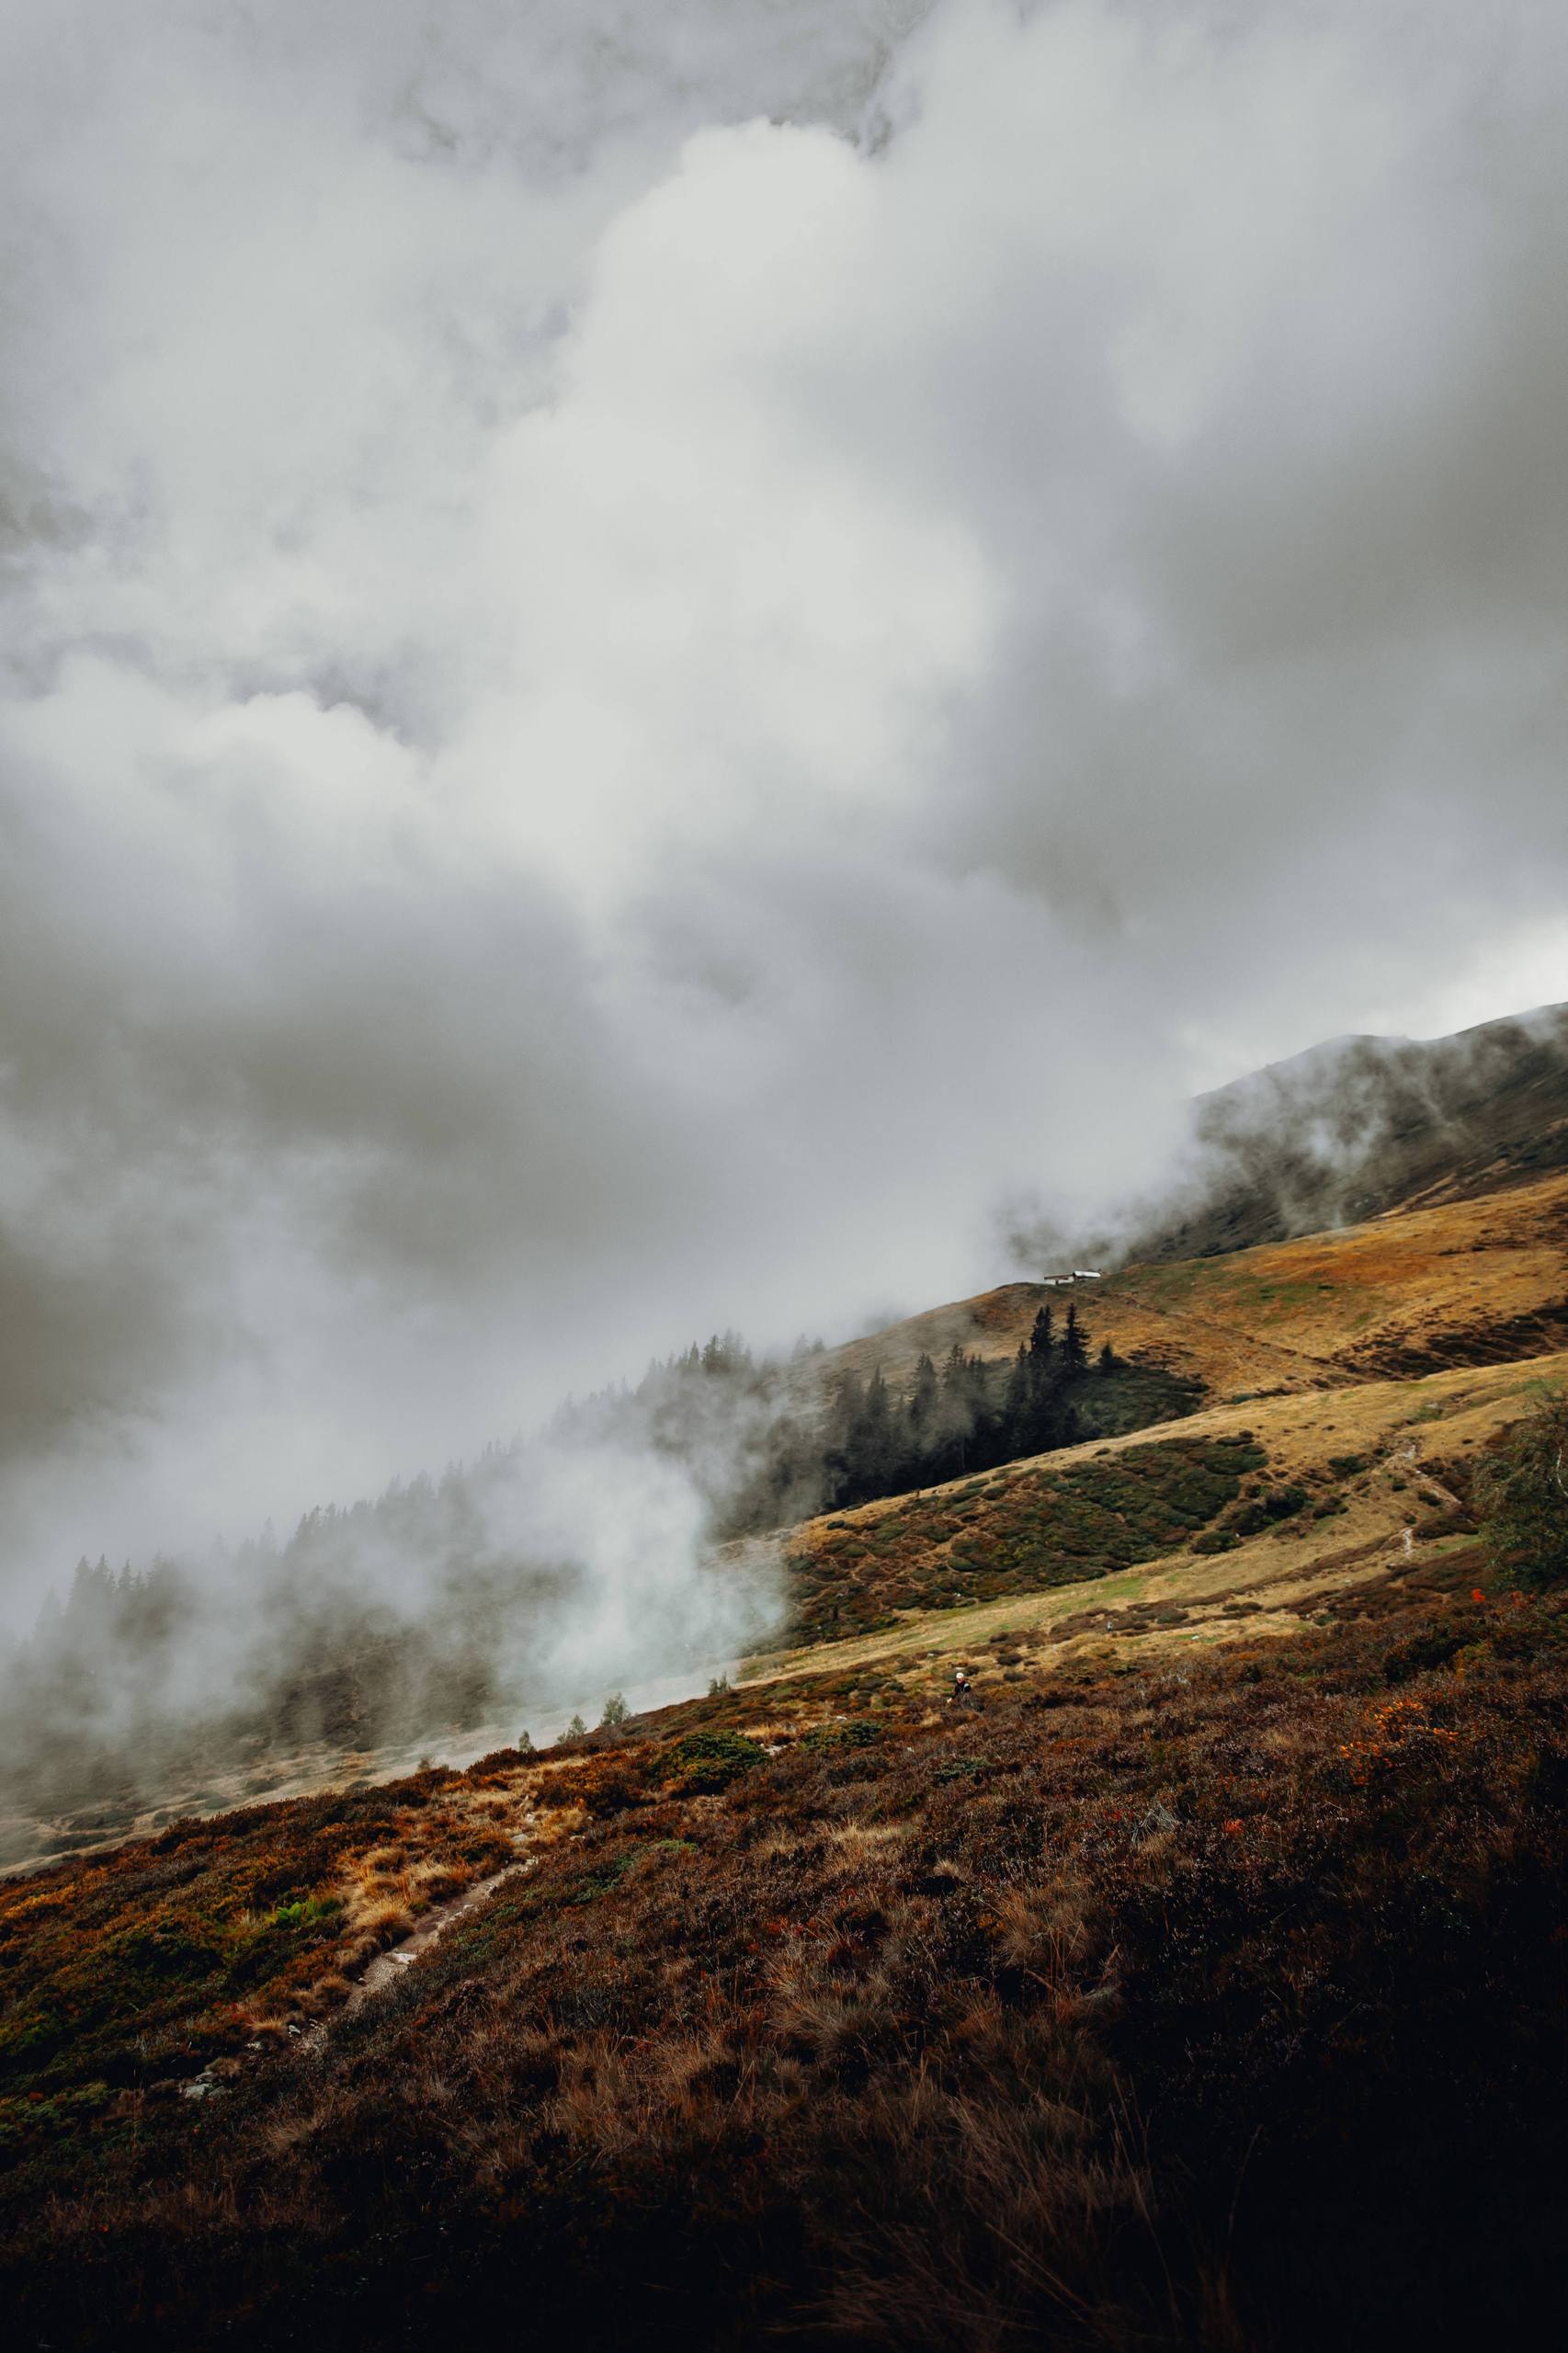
1104 2014
1267 1510
1099 2009
1478 1279
1370 1361
1471 1282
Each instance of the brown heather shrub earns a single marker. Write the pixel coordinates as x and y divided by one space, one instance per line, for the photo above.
1219 2009
121 1974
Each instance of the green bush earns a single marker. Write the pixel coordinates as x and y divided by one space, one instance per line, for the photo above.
307 1912
856 1734
1522 1496
711 1760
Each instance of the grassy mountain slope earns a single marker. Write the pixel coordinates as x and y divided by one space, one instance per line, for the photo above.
1200 1987
1468 1301
1470 1280
1470 1283
1326 1510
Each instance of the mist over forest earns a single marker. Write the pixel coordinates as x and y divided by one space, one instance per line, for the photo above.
610 1549
608 1552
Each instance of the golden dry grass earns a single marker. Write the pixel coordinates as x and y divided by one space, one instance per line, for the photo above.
1287 1574
1287 1315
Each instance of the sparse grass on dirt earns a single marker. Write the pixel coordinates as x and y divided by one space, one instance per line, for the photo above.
1419 1290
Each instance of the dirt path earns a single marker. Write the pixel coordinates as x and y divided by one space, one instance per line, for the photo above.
383 1973
389 1966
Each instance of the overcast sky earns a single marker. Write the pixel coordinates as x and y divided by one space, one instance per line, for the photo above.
654 655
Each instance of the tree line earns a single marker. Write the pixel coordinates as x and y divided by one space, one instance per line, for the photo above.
805 1444
967 1414
772 1442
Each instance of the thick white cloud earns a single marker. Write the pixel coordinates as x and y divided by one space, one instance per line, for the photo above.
644 673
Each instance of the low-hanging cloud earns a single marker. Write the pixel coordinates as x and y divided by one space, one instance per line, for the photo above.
534 1582
641 675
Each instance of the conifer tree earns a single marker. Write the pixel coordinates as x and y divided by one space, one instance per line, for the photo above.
1075 1347
987 1439
949 1452
876 1442
1016 1403
923 1399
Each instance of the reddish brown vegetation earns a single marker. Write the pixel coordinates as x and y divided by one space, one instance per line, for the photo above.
1217 2007
125 1971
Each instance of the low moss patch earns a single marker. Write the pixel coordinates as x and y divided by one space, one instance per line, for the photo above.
711 1760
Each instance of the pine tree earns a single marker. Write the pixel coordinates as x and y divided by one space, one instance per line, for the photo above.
1017 1401
1074 1346
924 1400
987 1440
876 1443
846 1409
955 1420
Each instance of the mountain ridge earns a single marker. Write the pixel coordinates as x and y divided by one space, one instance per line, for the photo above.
1358 1126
